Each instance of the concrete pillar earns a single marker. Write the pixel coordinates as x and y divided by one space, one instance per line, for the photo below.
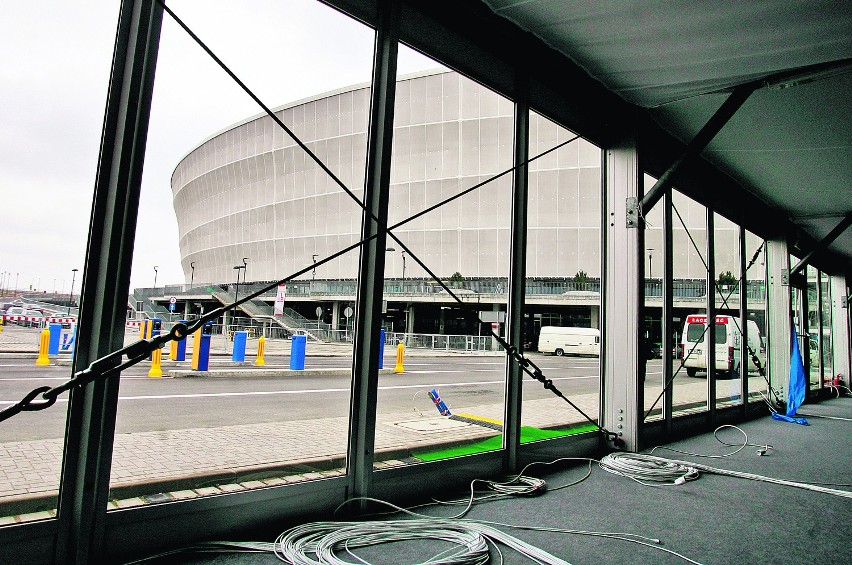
594 315
335 315
409 318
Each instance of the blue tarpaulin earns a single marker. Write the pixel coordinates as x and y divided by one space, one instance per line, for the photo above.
798 385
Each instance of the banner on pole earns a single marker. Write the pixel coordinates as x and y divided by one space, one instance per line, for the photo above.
279 300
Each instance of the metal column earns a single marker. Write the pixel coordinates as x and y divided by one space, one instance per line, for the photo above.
778 314
840 328
623 291
744 354
90 431
710 338
668 325
517 282
368 311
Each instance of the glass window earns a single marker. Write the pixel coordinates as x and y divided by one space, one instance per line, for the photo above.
274 212
689 248
452 403
563 267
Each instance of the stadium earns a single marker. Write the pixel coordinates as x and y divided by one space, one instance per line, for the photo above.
250 192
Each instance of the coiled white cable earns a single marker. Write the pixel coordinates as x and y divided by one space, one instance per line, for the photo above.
321 543
647 469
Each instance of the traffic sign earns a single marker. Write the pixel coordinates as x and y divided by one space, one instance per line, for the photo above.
172 300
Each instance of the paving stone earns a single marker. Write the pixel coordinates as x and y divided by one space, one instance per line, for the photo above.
34 516
129 502
207 491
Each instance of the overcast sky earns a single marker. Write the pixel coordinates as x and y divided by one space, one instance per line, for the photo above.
54 75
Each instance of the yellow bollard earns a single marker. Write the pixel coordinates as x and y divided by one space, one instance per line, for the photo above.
143 328
173 350
400 355
156 360
43 345
1 323
261 349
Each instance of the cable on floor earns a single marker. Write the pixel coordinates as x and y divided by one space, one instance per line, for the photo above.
650 469
762 449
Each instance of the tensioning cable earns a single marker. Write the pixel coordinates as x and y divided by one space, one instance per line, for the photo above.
136 352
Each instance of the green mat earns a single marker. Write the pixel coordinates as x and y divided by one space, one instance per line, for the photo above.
528 434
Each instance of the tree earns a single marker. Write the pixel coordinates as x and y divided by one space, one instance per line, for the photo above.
727 278
456 279
581 277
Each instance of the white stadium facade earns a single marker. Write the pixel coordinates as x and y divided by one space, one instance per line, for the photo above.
249 191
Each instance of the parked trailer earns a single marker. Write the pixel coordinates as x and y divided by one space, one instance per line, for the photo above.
569 341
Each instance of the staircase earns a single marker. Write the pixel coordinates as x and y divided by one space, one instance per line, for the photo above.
256 309
149 309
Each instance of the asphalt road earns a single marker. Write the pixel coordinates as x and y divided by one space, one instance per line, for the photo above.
151 404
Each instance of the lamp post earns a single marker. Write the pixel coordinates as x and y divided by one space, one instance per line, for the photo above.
71 296
403 266
314 272
650 264
390 249
192 276
155 277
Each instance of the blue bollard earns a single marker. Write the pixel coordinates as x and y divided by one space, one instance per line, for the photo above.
381 349
239 354
53 344
201 348
297 352
181 346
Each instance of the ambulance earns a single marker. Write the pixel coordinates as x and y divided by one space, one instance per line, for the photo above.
693 345
569 341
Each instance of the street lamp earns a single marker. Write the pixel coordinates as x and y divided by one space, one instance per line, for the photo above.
192 276
237 287
403 266
155 277
71 296
650 264
314 272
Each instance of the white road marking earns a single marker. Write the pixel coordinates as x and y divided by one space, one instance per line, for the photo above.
306 391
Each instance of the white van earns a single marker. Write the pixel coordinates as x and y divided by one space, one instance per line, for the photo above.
693 345
569 341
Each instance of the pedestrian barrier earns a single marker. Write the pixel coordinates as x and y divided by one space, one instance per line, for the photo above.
381 349
261 349
156 363
43 345
201 348
55 333
238 355
297 352
400 356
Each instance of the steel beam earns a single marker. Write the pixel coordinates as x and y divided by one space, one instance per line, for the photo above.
90 431
824 243
517 284
371 268
699 142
